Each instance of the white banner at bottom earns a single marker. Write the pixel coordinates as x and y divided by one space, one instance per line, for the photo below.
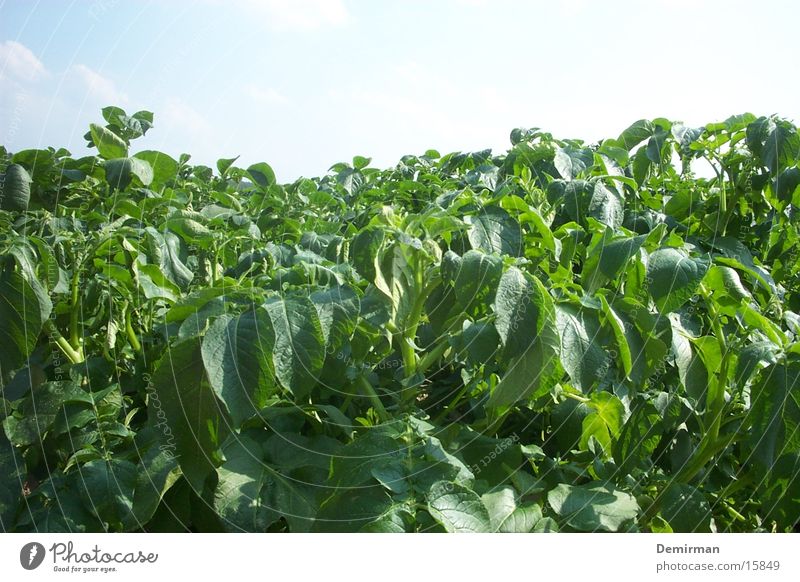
401 557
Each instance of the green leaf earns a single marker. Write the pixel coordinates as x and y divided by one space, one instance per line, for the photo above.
165 168
251 495
477 278
184 405
262 174
532 373
108 143
506 516
583 356
15 189
24 308
686 509
458 509
674 277
638 439
168 252
299 351
604 422
12 467
107 490
635 134
593 507
775 414
606 205
37 413
571 162
493 230
338 309
223 164
523 307
617 326
120 172
237 354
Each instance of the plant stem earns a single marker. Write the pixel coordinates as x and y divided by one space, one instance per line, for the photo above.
432 357
74 356
134 341
74 336
453 403
370 393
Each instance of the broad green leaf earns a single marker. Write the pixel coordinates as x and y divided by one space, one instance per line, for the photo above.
251 495
223 164
107 490
775 414
532 373
37 413
120 172
458 509
635 134
24 308
364 252
724 280
493 230
108 143
606 205
604 422
338 309
582 353
163 166
477 278
190 230
154 284
522 307
686 509
691 369
638 439
299 350
571 162
593 507
506 516
674 277
262 174
237 354
183 405
15 188
169 254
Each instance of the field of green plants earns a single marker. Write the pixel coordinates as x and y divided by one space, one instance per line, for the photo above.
563 337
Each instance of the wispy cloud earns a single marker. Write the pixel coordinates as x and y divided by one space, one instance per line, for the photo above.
98 87
178 116
17 60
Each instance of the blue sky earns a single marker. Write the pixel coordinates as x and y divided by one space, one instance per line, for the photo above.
302 84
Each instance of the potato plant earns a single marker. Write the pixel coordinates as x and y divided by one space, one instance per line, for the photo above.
562 337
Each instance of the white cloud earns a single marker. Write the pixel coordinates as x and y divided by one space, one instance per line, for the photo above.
17 60
265 95
301 14
98 87
177 116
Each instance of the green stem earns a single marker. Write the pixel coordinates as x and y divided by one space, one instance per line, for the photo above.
370 393
432 357
134 341
73 356
576 397
74 336
452 406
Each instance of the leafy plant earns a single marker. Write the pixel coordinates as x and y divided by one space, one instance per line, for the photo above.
564 337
